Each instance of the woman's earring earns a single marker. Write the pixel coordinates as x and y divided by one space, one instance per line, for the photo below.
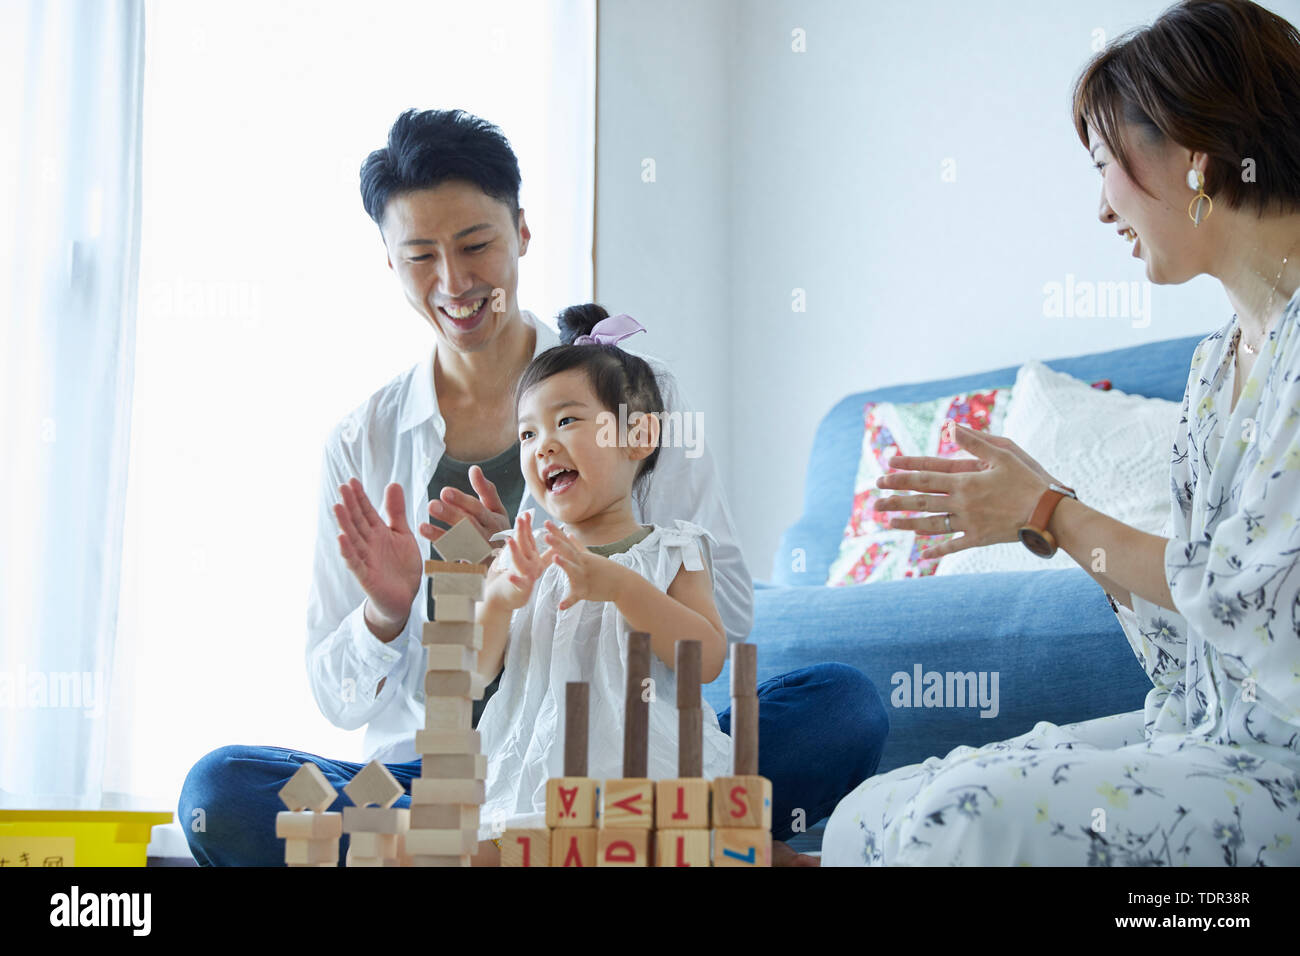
1199 199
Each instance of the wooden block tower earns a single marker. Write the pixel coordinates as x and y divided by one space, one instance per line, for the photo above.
682 803
310 830
376 829
742 803
446 797
627 817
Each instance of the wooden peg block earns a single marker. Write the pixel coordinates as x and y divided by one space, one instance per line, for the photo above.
441 842
572 802
376 819
733 847
628 802
438 860
682 804
462 542
311 851
373 784
625 847
682 847
446 714
574 847
454 766
373 845
742 802
636 709
448 742
428 790
465 684
452 584
444 816
308 789
450 657
577 697
744 670
452 632
531 847
454 567
744 736
453 607
308 825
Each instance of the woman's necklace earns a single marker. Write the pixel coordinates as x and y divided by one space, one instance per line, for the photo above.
1237 339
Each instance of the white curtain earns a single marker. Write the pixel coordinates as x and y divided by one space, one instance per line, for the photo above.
267 312
70 113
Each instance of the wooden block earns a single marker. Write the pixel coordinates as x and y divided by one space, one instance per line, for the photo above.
373 844
636 710
742 803
311 851
308 789
690 742
687 666
327 863
427 790
308 825
450 657
682 847
744 670
441 842
448 742
733 847
444 714
373 785
376 819
625 847
373 861
444 816
444 585
465 684
530 847
453 607
572 802
574 847
744 736
432 568
682 804
462 542
439 860
454 766
576 697
452 632
627 802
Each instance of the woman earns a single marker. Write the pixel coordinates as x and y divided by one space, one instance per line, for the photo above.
1210 772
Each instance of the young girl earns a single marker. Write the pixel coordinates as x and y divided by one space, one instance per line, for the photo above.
562 612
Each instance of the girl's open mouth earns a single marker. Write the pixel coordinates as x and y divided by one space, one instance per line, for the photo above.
560 481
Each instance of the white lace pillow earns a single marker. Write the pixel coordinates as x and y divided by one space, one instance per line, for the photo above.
1113 449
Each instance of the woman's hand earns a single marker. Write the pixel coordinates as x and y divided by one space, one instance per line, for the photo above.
591 576
989 497
486 511
510 584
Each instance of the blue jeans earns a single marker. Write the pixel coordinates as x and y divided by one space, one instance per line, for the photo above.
821 732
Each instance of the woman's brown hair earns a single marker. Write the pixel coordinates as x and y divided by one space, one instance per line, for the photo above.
1215 76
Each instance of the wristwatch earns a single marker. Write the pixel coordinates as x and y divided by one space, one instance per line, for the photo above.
1034 535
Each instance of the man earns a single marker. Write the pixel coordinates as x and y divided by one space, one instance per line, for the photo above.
440 440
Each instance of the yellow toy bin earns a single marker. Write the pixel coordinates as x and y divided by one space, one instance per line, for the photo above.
76 837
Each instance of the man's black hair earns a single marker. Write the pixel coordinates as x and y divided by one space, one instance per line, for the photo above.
426 149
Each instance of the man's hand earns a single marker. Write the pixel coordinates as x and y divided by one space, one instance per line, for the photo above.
385 558
486 511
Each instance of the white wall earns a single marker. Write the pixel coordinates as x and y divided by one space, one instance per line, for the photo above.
834 178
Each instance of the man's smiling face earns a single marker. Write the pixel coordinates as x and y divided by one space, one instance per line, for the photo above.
452 248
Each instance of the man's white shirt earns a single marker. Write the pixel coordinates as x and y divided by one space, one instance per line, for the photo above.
398 435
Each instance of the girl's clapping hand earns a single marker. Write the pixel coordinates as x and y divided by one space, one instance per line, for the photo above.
509 584
591 576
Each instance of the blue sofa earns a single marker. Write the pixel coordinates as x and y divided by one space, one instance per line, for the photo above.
1051 636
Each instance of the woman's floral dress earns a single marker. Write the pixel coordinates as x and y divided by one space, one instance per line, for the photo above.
1209 772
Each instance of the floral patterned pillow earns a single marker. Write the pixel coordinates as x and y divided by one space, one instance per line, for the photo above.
871 550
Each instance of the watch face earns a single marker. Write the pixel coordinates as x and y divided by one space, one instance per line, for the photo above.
1036 543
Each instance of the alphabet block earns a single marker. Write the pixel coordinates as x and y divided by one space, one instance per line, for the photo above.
574 847
453 607
455 585
682 804
308 789
308 825
747 847
682 847
428 790
453 684
572 802
448 741
462 542
526 847
441 842
373 784
454 766
624 847
376 819
464 633
742 802
450 657
444 816
628 802
443 714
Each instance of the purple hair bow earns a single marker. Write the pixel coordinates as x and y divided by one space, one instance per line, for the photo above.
611 330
